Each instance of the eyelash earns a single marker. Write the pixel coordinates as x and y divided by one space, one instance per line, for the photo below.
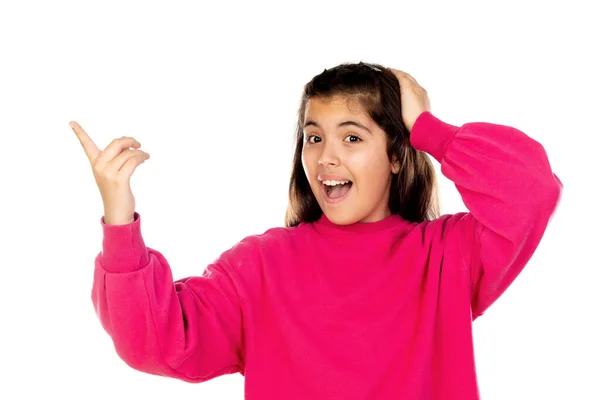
308 139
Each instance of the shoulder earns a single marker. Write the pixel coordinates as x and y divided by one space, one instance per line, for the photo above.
445 226
251 249
276 236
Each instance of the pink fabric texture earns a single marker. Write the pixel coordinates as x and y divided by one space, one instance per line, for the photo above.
380 310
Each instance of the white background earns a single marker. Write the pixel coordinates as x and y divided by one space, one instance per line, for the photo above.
211 92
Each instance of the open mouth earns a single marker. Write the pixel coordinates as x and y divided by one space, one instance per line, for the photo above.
336 191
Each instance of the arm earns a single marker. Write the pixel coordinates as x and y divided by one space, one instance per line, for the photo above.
189 329
505 180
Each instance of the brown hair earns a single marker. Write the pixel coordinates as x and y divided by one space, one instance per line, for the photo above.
413 193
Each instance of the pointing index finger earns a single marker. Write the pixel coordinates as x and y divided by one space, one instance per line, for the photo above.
90 148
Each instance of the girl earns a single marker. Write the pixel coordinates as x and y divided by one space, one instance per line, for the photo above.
366 293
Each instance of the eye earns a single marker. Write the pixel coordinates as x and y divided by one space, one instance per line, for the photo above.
313 139
353 138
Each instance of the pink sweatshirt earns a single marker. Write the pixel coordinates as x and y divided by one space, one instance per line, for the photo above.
379 310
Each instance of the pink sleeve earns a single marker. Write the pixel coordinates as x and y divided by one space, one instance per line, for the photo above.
190 329
506 182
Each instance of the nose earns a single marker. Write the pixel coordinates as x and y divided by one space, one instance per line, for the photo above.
329 156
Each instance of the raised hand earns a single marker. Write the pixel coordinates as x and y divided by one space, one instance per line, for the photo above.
413 96
112 169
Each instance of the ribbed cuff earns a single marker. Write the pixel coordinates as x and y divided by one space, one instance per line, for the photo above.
431 135
123 248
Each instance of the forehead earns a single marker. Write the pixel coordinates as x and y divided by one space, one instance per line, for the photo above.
334 108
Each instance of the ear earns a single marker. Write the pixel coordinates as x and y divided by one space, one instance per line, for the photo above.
395 165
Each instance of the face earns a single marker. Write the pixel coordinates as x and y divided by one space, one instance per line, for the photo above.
345 159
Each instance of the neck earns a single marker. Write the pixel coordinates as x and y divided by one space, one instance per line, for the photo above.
390 221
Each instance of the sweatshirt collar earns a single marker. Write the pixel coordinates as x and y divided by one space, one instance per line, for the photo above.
324 225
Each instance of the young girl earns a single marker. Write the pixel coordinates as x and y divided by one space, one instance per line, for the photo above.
366 293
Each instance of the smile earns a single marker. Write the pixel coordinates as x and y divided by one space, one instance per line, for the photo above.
335 191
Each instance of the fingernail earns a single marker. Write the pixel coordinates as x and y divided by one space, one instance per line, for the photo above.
72 125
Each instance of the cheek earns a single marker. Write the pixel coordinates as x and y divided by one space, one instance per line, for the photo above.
308 163
370 170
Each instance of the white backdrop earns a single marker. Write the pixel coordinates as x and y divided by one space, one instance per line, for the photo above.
211 92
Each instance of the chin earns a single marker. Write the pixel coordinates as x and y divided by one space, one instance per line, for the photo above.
341 218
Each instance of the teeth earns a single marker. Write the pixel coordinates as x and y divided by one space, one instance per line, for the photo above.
333 183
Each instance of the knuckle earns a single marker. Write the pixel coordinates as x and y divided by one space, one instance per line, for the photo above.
109 176
127 154
95 167
122 140
121 178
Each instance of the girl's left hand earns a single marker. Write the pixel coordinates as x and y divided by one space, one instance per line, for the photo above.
413 98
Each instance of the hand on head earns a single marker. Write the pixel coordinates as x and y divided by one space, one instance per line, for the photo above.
413 97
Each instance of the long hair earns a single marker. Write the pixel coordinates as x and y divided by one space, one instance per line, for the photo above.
414 192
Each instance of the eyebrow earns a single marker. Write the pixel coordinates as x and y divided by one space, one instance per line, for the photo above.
341 124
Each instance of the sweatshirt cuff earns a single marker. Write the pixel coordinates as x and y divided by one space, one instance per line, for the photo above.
431 135
123 248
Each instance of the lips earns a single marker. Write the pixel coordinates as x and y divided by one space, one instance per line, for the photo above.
336 193
334 188
338 178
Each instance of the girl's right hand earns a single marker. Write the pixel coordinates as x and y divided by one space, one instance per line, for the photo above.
112 169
